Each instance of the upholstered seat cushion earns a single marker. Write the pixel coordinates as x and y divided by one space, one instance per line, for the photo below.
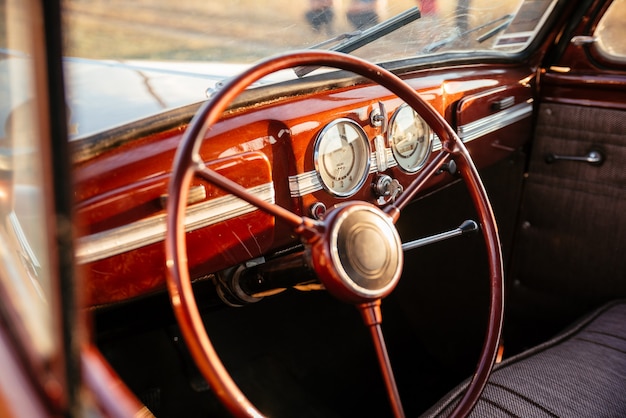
580 373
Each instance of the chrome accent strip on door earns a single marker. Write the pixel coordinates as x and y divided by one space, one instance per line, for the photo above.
471 131
152 230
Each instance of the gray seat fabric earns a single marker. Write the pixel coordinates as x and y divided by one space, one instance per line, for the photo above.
580 373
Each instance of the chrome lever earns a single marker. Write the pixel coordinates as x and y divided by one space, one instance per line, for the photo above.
593 157
464 228
378 118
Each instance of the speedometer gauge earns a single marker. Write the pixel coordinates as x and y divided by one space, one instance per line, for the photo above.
410 139
342 157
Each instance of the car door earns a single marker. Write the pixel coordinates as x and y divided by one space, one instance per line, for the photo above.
571 233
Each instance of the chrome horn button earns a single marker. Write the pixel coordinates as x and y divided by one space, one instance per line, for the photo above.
366 250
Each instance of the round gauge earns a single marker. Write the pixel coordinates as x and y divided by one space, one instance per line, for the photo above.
410 139
342 157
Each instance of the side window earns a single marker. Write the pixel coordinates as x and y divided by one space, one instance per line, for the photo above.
610 33
24 265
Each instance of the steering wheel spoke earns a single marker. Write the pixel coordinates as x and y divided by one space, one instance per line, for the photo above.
395 207
372 316
239 191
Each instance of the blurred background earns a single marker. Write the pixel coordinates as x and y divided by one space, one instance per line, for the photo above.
233 30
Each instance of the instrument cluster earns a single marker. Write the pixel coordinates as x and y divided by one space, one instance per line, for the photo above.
344 155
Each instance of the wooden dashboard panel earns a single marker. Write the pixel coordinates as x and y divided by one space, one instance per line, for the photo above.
265 147
126 258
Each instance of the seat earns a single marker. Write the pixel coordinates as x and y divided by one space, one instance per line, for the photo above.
579 373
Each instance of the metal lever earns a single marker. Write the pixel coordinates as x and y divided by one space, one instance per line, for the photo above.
465 227
593 157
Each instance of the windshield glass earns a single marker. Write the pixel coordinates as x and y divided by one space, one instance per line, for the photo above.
241 31
176 50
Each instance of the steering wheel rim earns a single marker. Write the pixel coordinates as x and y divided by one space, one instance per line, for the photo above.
187 164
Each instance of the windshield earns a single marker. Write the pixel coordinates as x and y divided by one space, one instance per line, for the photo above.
243 31
216 40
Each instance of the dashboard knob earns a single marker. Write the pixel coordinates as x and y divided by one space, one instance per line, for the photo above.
385 186
382 185
317 210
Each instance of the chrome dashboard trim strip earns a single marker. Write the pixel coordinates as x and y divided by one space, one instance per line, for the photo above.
435 143
391 162
305 183
151 230
471 131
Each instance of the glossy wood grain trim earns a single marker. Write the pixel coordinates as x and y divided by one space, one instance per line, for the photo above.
152 230
603 90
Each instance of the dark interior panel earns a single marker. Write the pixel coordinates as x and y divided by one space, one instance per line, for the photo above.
572 233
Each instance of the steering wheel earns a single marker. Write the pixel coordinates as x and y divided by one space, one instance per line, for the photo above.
351 272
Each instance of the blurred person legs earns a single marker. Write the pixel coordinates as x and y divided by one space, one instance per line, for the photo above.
320 15
362 13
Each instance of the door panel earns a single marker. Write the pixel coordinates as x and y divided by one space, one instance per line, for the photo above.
573 228
570 244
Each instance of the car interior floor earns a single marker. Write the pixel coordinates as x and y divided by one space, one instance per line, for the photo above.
306 349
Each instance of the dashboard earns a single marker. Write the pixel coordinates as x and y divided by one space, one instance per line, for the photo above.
305 152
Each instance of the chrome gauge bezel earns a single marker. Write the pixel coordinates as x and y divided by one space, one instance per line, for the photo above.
360 167
406 164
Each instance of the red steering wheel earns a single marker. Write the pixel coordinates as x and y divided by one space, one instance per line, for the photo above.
351 272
